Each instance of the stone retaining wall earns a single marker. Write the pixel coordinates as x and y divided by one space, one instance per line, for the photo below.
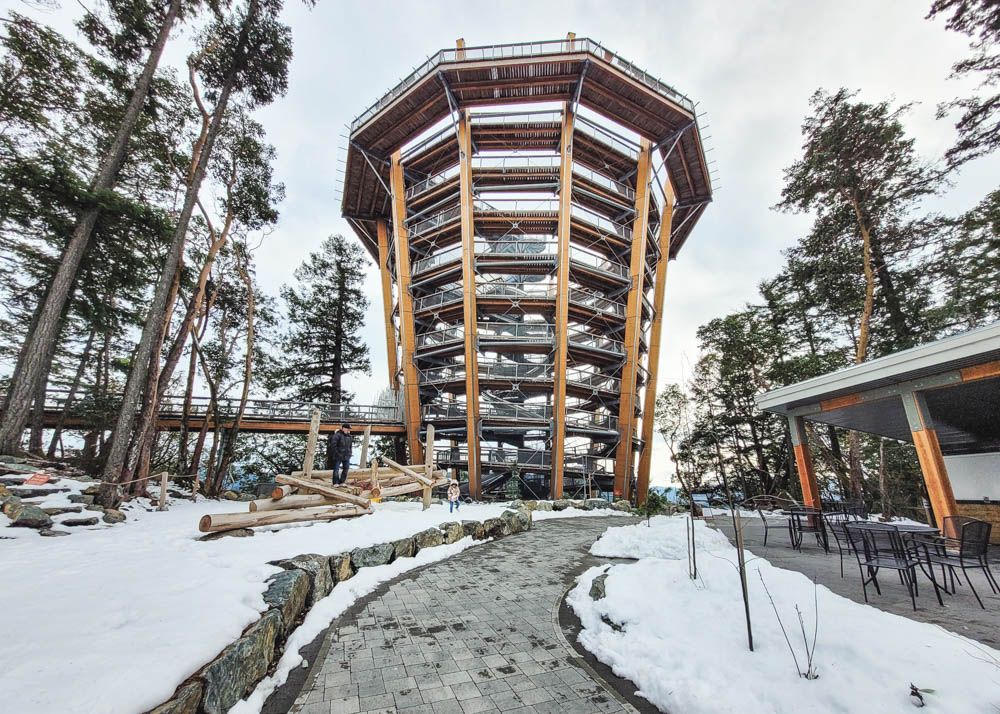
304 580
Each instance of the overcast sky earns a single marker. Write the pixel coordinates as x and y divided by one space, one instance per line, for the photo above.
751 66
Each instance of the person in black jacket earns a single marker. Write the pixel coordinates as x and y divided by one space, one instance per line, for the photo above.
341 454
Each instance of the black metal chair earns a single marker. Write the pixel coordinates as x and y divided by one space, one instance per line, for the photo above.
805 519
964 545
835 523
771 522
879 545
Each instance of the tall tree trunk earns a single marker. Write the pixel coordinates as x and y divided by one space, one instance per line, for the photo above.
38 412
25 380
154 320
893 304
227 454
77 378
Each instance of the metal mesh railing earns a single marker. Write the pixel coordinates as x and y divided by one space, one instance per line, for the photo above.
602 223
592 301
516 291
515 371
598 262
441 337
432 182
435 221
445 297
516 332
623 190
526 247
525 49
592 380
583 419
580 338
432 261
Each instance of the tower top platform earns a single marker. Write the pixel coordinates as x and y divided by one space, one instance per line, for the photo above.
579 71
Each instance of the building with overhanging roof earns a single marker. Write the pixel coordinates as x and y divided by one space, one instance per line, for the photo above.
943 397
522 203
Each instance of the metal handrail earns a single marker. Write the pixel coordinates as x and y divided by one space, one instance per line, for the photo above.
590 300
589 339
584 419
447 255
519 290
435 221
599 133
528 117
521 332
431 182
597 261
527 246
445 297
516 205
601 223
516 371
625 191
523 49
593 380
448 373
441 336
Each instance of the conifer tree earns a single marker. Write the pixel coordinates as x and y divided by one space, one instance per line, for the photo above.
326 311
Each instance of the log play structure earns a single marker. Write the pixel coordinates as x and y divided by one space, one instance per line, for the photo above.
309 495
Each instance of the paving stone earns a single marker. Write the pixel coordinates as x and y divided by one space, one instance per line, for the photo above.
471 634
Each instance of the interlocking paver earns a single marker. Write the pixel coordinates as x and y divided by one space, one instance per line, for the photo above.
468 635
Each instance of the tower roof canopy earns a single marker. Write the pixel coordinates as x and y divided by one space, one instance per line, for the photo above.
570 70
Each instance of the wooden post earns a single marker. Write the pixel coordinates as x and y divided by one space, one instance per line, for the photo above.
931 460
803 462
470 311
411 393
382 230
655 330
307 463
364 445
429 462
562 303
633 323
374 477
460 45
163 491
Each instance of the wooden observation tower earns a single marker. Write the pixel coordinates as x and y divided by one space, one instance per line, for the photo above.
522 202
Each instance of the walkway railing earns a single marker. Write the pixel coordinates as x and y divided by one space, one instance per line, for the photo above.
526 49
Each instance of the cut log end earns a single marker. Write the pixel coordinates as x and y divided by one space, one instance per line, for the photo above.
205 524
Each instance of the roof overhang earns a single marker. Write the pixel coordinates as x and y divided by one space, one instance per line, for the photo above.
959 376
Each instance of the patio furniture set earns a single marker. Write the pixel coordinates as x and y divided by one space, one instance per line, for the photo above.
961 544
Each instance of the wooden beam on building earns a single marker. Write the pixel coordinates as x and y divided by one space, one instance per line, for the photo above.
633 323
929 454
655 331
803 461
470 310
562 302
411 394
382 229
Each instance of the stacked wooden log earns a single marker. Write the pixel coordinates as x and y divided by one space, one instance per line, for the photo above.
309 495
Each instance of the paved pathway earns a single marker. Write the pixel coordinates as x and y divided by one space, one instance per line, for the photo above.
475 633
961 613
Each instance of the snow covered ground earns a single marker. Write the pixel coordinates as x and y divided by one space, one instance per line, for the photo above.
145 603
684 643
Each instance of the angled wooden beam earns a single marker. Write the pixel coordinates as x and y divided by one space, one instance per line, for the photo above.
931 460
337 494
655 331
407 337
633 323
803 461
469 305
562 302
382 229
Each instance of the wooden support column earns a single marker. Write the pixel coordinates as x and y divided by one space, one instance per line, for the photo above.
469 305
562 303
803 461
655 331
382 229
633 324
407 332
364 446
307 463
929 453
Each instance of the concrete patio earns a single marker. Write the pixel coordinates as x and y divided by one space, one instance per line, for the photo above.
961 613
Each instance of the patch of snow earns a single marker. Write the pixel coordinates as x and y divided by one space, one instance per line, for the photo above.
148 604
332 606
576 513
684 643
663 537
